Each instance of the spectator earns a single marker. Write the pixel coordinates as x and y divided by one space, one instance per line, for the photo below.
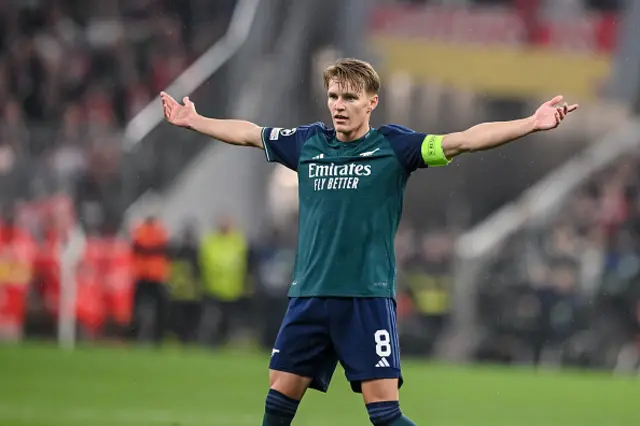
223 261
430 285
557 310
185 285
151 266
17 260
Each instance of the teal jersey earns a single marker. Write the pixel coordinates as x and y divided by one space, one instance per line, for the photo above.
350 204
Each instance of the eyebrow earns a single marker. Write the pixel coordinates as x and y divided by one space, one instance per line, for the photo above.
344 94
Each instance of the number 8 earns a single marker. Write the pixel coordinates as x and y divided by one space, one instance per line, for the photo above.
383 346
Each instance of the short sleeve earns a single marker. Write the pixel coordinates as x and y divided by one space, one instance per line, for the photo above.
284 145
414 150
407 144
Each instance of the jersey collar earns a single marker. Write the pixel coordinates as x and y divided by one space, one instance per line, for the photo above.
353 142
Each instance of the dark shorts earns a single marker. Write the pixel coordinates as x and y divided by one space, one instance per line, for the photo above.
360 333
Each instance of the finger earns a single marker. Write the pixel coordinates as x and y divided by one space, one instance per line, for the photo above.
560 112
169 107
167 99
556 100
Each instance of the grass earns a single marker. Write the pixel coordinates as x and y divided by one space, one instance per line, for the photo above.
41 385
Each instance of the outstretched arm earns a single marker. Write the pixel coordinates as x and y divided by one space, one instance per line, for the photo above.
235 132
491 135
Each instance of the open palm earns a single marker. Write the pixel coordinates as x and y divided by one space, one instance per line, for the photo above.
549 115
175 113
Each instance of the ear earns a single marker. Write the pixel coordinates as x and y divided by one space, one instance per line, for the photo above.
373 103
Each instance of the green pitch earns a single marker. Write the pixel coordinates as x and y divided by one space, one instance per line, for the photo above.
42 386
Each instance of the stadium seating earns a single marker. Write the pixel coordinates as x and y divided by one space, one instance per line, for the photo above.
570 287
72 74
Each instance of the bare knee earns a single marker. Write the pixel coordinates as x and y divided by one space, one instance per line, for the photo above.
380 390
289 384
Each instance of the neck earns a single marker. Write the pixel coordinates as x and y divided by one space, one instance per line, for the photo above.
353 135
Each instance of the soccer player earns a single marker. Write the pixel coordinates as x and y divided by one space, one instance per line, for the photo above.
351 183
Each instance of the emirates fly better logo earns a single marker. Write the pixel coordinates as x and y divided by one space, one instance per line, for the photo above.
332 176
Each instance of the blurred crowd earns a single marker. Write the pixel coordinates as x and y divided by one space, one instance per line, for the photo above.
144 285
565 6
200 286
567 290
72 73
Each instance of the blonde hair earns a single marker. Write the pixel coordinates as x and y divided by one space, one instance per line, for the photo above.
357 74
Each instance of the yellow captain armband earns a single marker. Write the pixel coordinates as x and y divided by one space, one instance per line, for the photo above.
432 152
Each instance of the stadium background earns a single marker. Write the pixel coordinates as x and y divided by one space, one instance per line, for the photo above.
522 263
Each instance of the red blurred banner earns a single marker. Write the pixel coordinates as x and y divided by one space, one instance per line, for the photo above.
591 32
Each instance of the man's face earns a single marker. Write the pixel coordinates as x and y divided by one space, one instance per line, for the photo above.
225 225
350 109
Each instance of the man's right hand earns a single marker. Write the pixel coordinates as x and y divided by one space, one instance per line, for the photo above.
176 114
234 132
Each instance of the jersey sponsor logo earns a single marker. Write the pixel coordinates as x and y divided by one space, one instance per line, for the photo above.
337 170
369 153
274 351
334 176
